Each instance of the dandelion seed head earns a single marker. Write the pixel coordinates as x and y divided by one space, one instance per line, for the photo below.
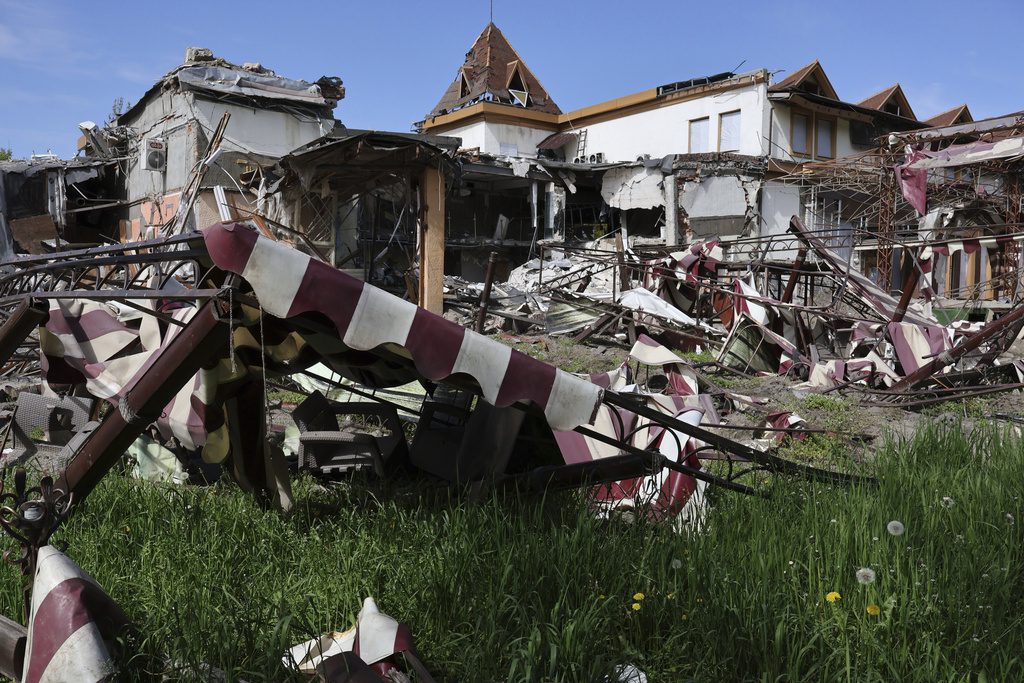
676 563
895 527
865 575
1009 519
947 502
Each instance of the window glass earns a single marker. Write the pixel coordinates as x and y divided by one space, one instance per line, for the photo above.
729 132
699 136
799 133
824 142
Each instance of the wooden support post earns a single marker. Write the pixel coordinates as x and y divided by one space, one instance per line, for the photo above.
431 239
622 272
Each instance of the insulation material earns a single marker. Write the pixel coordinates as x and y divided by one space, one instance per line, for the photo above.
633 188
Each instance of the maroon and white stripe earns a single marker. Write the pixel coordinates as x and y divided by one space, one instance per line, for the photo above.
71 621
375 638
916 345
666 493
289 283
85 342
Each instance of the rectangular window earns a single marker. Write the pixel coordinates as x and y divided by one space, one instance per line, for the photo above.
729 132
700 136
799 133
824 139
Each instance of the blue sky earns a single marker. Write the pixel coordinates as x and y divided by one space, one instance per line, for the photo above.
66 62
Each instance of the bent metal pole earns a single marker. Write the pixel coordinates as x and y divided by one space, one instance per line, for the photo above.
200 344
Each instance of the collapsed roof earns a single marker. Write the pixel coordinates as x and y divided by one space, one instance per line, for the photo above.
215 77
494 72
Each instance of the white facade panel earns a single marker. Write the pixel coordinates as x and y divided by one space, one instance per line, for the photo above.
490 138
663 131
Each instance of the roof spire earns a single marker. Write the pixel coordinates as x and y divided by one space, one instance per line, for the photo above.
492 11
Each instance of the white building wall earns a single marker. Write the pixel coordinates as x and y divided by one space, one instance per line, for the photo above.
489 137
663 131
260 131
779 203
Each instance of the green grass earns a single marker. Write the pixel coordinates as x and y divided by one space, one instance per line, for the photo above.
510 590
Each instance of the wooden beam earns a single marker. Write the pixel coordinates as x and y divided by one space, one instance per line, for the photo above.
431 240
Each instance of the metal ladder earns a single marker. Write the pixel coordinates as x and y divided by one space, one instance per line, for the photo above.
581 146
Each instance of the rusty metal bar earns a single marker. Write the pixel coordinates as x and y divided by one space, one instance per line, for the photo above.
727 445
201 343
798 264
29 315
485 295
947 358
909 288
13 637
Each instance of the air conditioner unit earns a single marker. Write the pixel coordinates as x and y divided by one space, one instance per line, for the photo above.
597 158
583 160
154 154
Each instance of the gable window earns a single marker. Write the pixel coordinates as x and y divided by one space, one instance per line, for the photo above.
516 85
824 137
700 140
515 77
463 85
729 132
800 133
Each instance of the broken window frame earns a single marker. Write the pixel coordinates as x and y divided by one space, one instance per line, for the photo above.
739 129
808 138
831 121
706 120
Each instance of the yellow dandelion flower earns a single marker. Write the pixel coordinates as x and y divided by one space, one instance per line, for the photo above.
685 617
874 610
600 597
638 596
671 596
833 596
636 606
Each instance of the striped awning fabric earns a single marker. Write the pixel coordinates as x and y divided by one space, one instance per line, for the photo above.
288 284
72 620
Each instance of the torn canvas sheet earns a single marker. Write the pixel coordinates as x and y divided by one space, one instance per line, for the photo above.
376 639
72 623
640 299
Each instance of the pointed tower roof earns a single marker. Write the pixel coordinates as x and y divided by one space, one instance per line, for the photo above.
891 100
810 77
958 114
494 71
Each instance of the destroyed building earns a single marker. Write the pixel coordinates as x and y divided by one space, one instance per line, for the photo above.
497 107
163 136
